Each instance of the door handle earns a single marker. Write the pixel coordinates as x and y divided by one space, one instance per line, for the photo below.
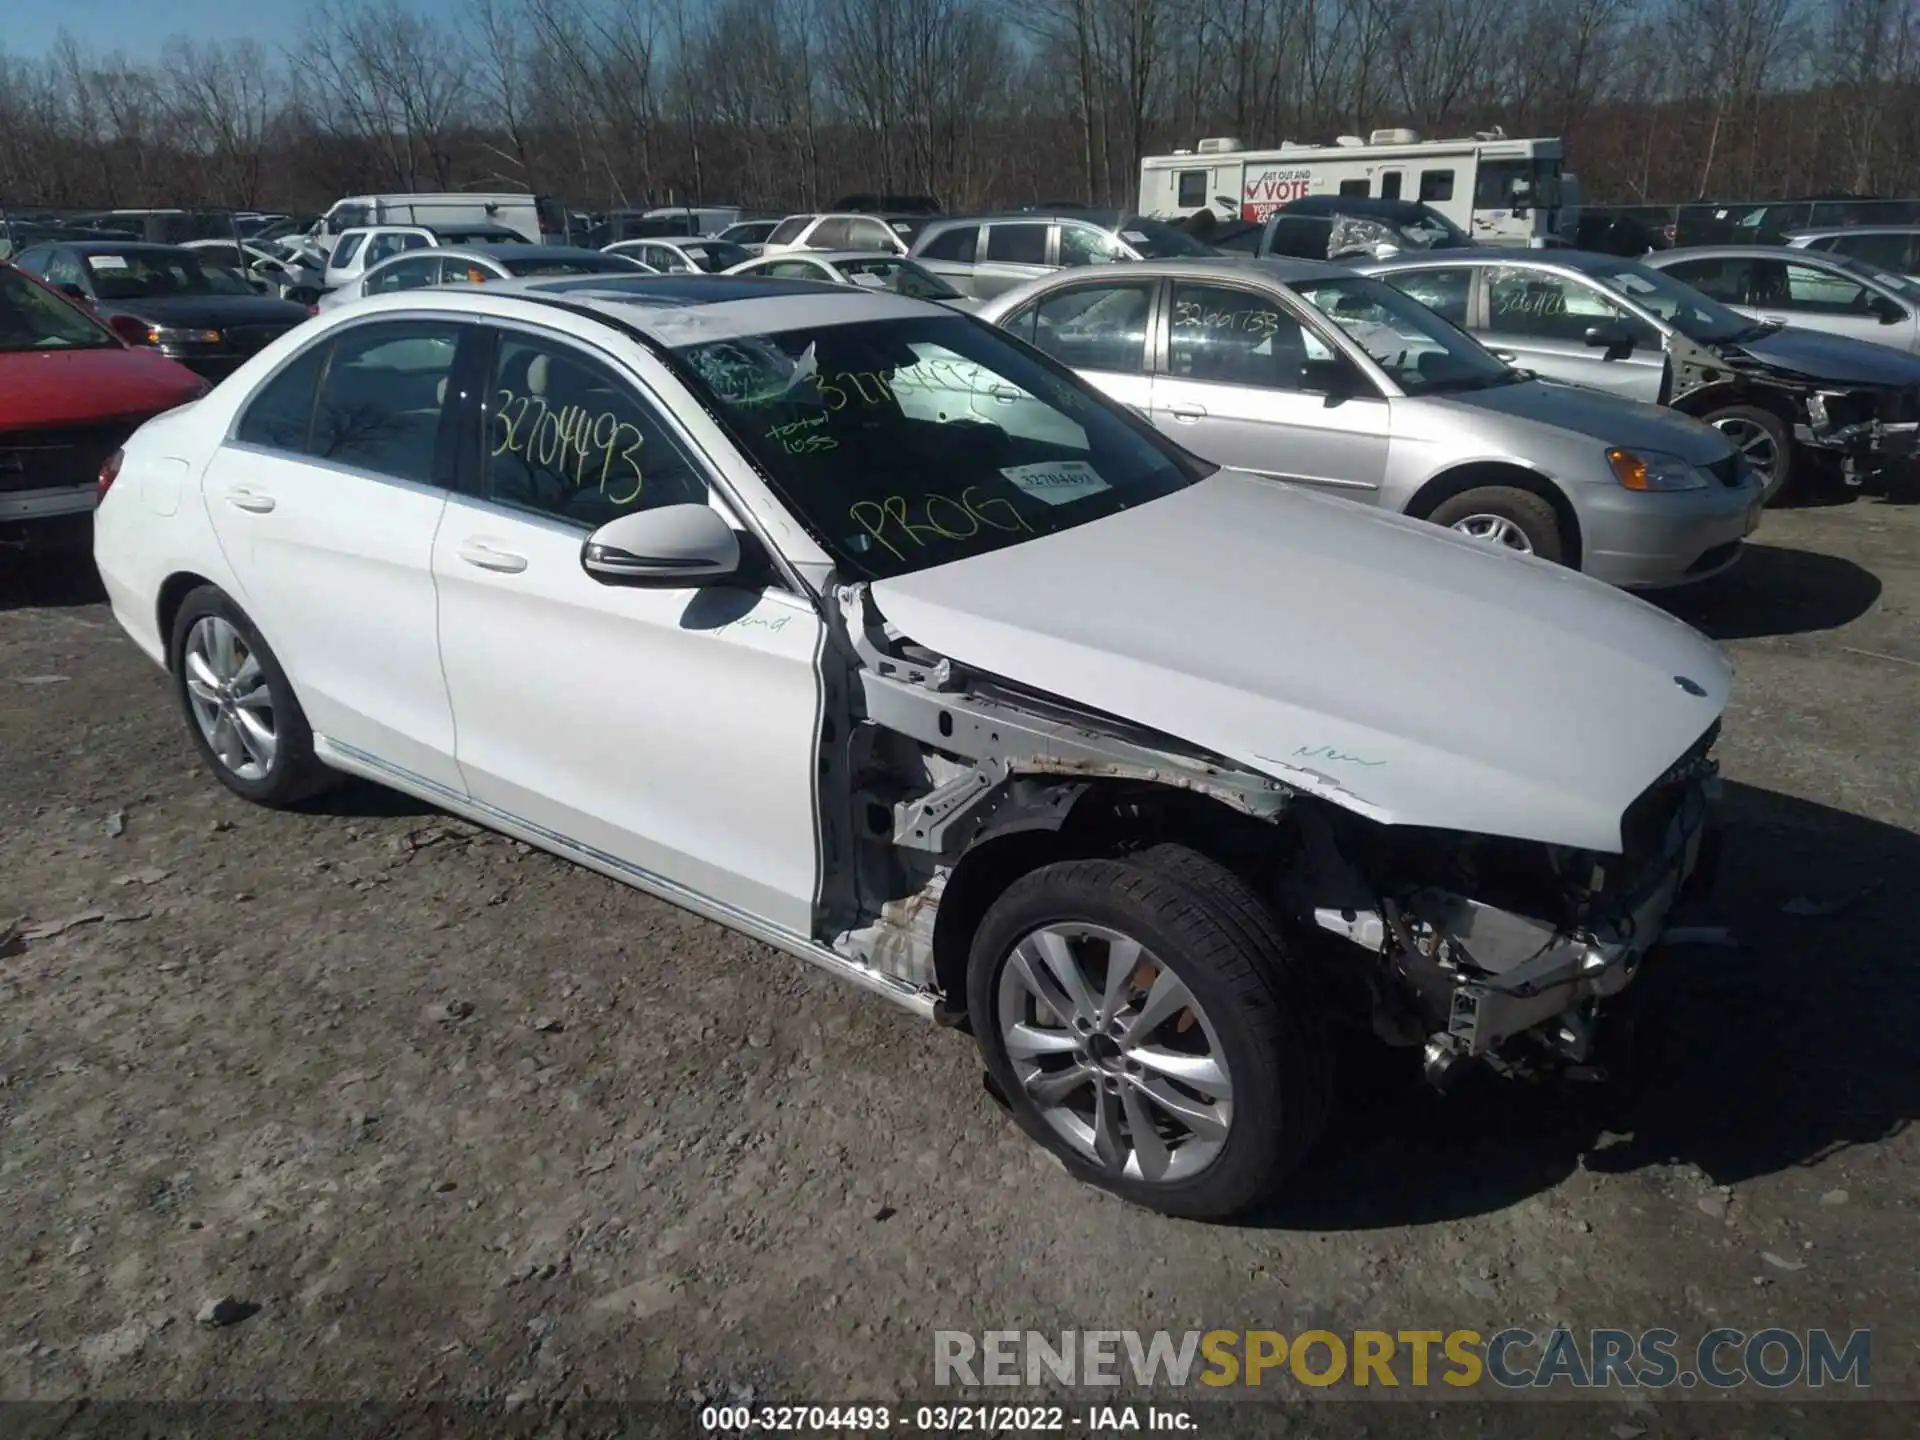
1187 413
251 501
478 552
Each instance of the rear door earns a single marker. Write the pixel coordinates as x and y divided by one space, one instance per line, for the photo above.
1539 319
326 499
1237 387
951 253
1011 253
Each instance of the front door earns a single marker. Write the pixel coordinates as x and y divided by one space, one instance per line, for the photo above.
671 734
1241 387
1099 329
340 497
1538 319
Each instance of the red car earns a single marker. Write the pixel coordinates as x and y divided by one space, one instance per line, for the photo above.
71 391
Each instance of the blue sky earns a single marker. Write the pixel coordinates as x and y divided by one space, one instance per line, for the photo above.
138 28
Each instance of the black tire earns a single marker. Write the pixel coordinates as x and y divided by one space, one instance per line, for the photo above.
1743 418
295 773
1211 930
1533 515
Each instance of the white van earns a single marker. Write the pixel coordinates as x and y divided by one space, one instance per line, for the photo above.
521 213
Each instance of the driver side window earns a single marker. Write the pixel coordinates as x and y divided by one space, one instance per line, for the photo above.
1540 305
1083 245
569 439
1239 337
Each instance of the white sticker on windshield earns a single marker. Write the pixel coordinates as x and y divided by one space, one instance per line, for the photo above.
1058 483
1135 236
870 281
1634 284
107 262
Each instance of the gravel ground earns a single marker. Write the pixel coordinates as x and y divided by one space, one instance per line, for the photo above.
461 1120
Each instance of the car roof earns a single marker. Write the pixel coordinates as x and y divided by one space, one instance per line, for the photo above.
1281 268
1553 257
830 256
1820 232
115 247
1352 205
677 310
1771 252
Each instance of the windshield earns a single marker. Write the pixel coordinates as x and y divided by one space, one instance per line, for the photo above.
1157 240
158 275
714 256
566 264
1695 315
904 444
899 275
34 318
1421 352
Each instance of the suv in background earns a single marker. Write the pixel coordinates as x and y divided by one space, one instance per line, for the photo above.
363 247
872 234
985 255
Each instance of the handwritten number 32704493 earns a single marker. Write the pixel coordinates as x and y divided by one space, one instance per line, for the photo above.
568 441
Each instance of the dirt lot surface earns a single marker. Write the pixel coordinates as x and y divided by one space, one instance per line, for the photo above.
463 1120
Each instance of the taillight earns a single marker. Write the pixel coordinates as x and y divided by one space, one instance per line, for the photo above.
110 471
313 309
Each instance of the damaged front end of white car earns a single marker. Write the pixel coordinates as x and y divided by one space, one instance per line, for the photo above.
1472 947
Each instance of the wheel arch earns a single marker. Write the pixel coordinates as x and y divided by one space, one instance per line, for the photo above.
173 594
1098 819
1474 474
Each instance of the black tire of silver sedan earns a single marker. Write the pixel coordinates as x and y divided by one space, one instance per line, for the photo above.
1147 1023
239 707
1505 516
1766 441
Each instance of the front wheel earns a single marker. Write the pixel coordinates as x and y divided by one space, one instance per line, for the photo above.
1506 517
1148 1025
1764 439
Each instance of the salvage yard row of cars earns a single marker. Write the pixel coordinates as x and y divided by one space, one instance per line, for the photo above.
1030 667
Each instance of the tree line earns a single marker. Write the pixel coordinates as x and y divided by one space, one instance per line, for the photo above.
787 103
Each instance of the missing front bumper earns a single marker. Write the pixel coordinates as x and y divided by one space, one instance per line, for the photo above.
1502 975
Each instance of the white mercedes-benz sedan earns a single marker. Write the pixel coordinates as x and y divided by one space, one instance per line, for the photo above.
868 630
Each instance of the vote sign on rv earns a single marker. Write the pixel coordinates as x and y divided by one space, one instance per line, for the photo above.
1271 188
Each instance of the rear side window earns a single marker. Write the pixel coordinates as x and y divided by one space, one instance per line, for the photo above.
1725 278
280 415
788 230
871 235
955 244
1020 244
1094 327
381 397
344 252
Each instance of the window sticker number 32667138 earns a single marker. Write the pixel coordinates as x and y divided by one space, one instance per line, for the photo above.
571 441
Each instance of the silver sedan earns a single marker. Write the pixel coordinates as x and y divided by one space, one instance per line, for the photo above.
868 269
1309 373
1810 289
475 265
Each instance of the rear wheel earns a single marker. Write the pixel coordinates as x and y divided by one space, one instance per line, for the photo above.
1505 516
239 705
1763 438
1146 1022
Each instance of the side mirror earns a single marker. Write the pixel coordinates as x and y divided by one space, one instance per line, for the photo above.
1612 337
1887 312
674 547
1333 378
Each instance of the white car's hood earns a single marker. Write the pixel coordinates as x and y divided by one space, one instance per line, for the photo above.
1395 668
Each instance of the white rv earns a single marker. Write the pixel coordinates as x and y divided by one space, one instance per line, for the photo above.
520 212
1501 191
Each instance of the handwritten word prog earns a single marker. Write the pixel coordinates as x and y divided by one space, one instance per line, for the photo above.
941 516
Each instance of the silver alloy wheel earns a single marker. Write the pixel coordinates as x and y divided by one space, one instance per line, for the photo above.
1495 530
230 699
1115 1053
1754 442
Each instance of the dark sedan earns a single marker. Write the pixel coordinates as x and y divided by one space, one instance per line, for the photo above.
202 314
